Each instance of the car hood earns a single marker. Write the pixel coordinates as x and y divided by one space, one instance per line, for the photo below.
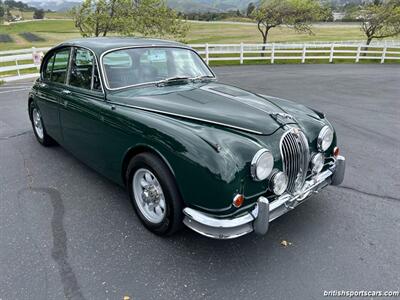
216 103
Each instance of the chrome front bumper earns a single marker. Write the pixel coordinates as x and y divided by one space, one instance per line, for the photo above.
264 211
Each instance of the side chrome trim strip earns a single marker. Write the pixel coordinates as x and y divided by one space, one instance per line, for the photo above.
186 117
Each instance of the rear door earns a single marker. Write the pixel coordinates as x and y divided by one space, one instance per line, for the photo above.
80 109
49 90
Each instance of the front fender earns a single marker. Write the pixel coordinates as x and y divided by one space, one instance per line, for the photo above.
209 163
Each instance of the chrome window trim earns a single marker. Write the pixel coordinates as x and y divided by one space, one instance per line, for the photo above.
104 74
53 50
71 53
187 117
97 65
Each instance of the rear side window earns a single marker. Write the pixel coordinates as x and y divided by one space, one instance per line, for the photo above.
60 66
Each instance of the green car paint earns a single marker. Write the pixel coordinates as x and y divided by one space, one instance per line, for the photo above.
206 132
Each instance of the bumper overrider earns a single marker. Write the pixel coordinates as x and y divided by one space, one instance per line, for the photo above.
264 211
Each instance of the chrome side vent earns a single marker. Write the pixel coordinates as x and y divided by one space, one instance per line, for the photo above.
295 158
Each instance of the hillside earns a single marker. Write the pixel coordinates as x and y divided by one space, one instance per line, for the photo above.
182 5
209 5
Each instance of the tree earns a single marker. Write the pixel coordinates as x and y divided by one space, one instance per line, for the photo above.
2 10
38 14
153 18
297 14
127 17
380 19
250 8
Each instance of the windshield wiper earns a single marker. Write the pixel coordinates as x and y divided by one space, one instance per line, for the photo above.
172 80
201 77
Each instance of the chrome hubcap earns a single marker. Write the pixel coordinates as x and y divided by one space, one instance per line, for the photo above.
37 123
149 195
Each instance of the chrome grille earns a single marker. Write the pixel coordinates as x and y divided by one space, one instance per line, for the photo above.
295 158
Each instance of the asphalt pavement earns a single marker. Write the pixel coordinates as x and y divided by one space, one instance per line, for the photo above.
66 232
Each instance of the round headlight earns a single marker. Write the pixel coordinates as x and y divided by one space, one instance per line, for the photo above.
317 162
279 183
262 164
325 138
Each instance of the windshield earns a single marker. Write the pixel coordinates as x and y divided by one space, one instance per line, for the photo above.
133 66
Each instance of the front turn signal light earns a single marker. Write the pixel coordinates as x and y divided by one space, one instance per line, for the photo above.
336 151
238 200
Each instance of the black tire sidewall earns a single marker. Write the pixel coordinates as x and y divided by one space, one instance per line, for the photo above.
46 140
31 107
173 218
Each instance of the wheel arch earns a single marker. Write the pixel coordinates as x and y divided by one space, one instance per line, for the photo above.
141 148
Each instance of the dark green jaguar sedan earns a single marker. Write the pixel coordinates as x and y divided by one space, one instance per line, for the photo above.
151 116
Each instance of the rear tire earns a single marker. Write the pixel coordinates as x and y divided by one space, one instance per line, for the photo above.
38 127
154 194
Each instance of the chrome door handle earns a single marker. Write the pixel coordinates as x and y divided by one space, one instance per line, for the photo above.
66 92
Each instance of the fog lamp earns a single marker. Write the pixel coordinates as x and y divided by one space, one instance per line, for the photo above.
317 162
279 182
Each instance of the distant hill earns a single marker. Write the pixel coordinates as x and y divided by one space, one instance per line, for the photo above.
209 5
58 5
181 5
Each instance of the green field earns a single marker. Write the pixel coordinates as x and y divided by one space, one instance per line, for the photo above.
28 15
55 31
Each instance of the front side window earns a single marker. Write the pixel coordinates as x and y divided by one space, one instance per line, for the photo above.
81 69
84 73
134 66
60 66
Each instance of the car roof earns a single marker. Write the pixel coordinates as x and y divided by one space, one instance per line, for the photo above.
100 45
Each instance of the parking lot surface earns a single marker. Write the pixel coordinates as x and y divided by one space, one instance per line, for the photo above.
68 233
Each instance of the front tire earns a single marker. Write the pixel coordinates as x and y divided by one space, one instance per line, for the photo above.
154 194
38 127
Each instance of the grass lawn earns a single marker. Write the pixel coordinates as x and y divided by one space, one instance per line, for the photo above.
226 33
55 31
28 15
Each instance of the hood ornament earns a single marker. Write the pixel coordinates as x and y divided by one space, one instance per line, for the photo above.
282 118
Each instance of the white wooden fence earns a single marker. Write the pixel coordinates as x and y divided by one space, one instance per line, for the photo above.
19 64
300 52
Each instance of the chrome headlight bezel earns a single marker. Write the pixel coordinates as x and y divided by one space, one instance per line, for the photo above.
325 138
262 156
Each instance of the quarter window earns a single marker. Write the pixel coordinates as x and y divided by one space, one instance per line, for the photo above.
60 66
48 68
